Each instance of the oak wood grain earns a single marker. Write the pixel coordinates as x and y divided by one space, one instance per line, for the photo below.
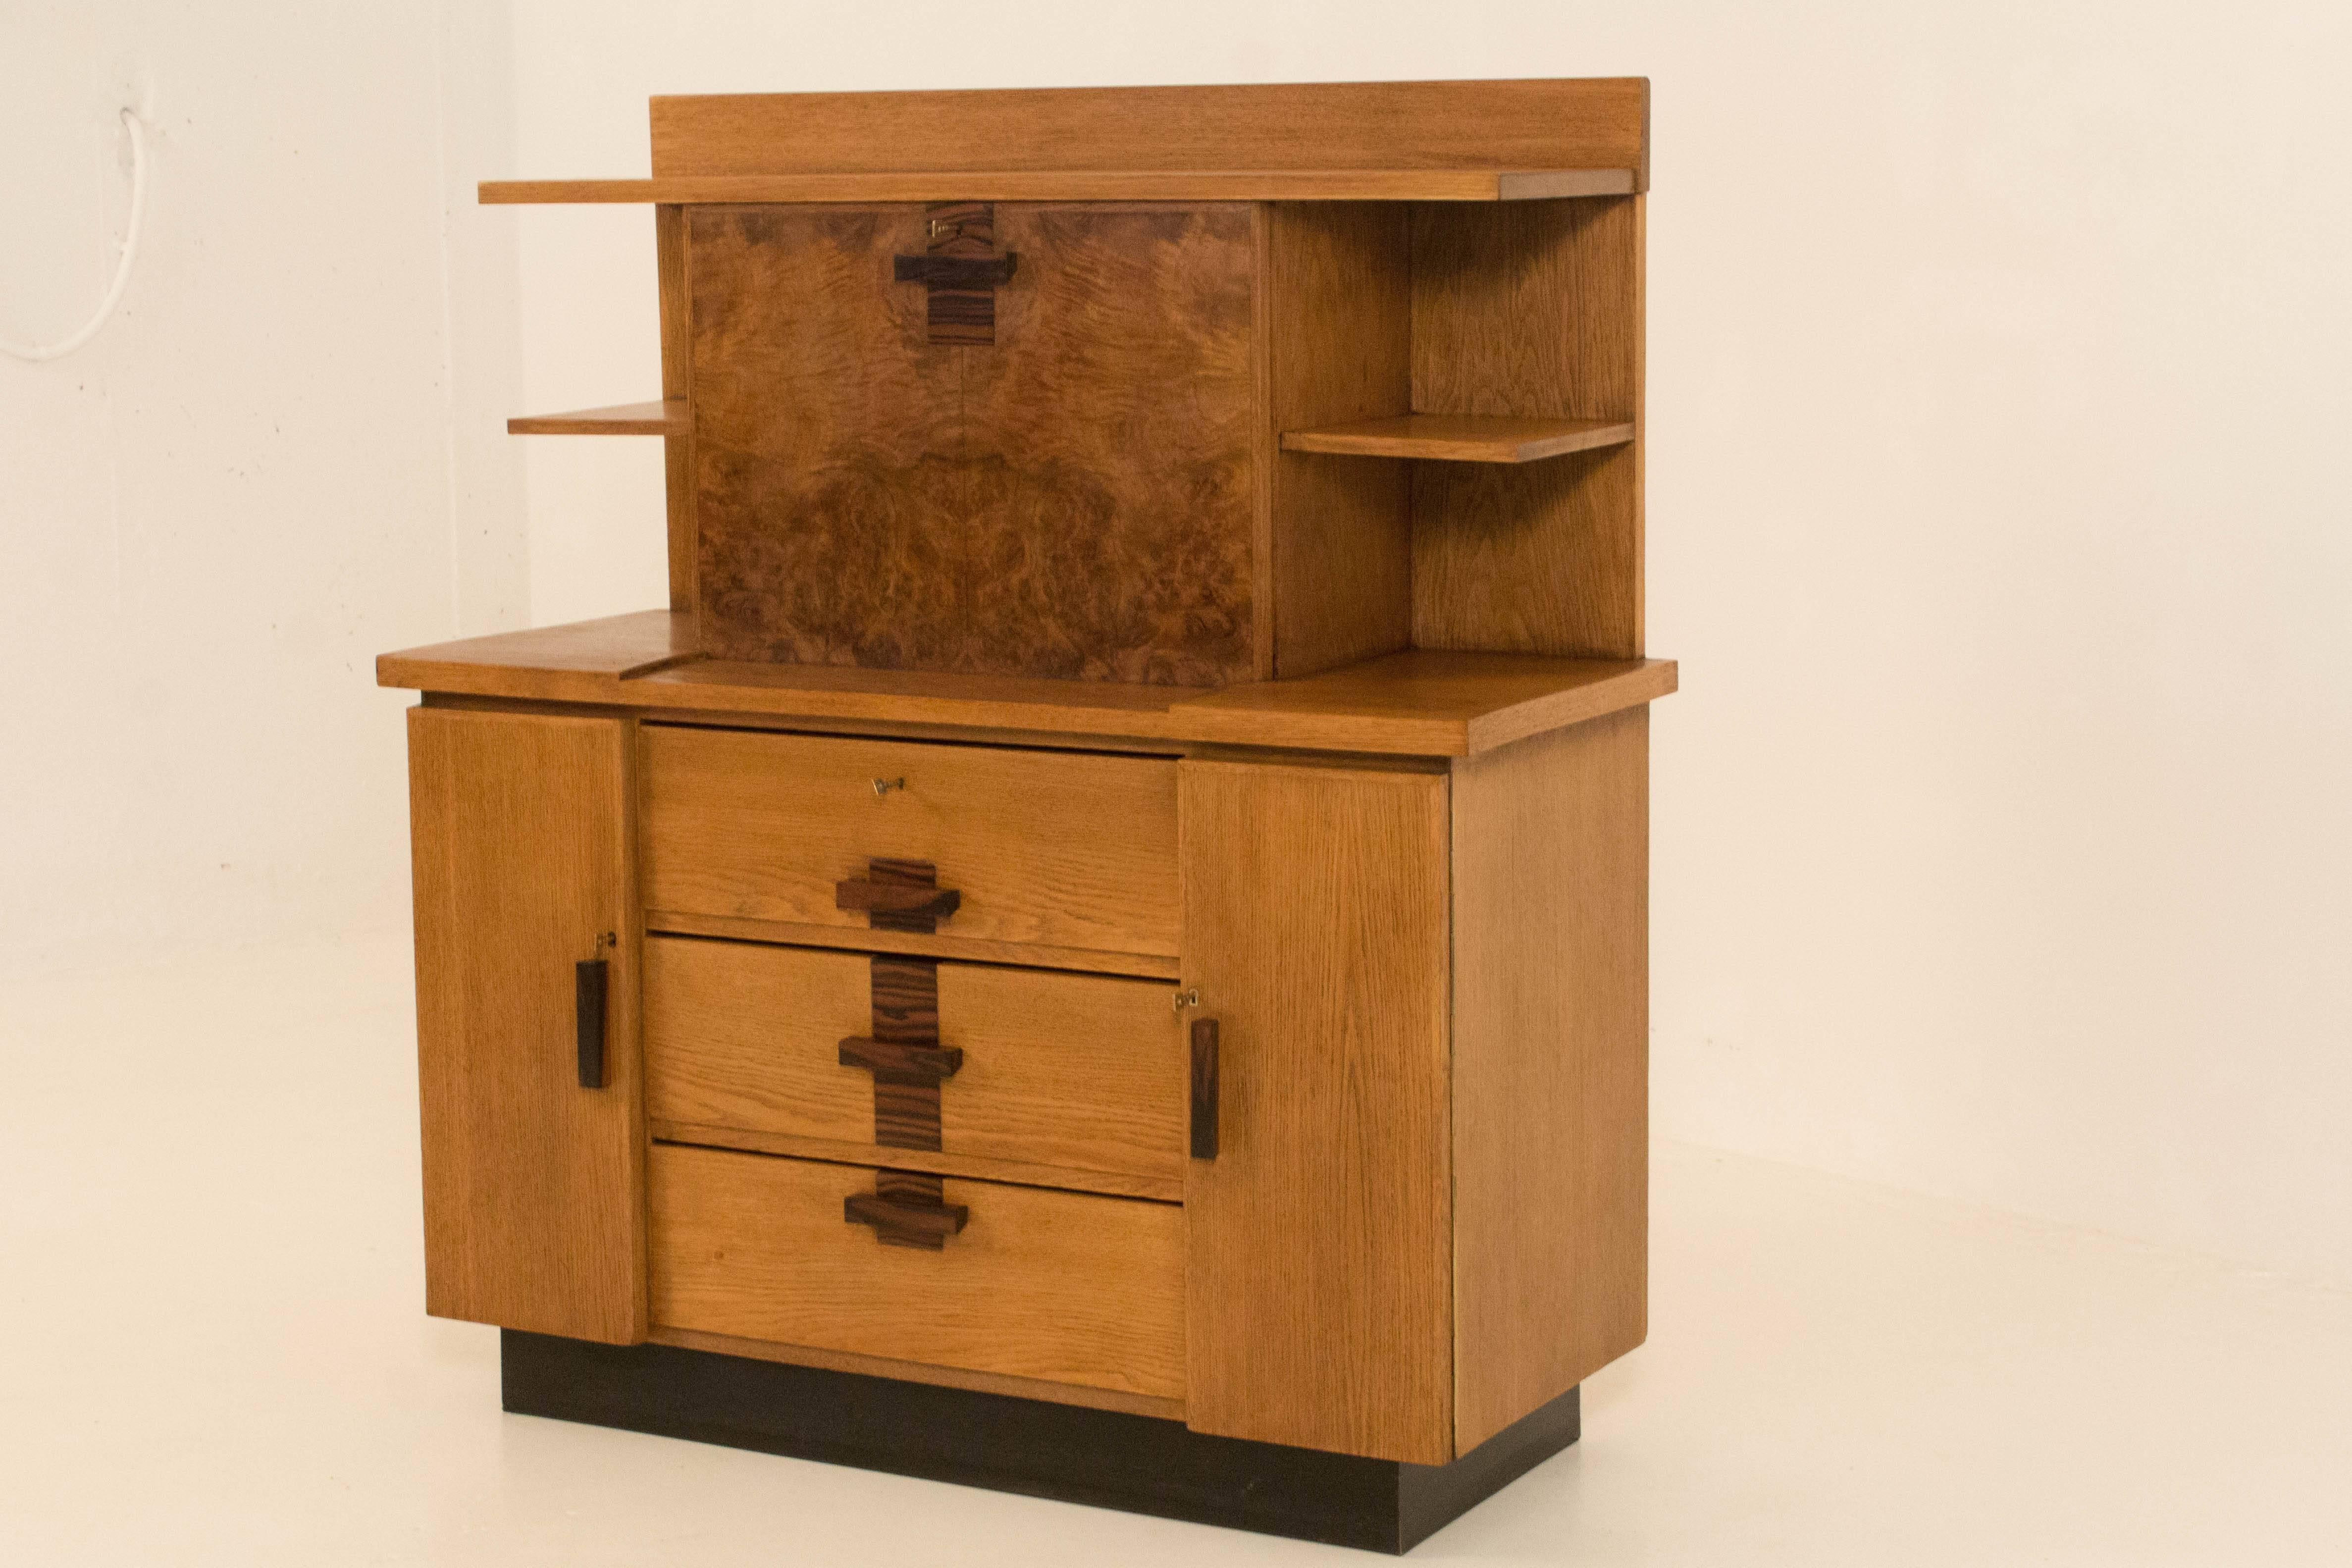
1319 1279
665 417
1056 1286
1530 312
1339 324
1077 185
1425 125
533 1185
1422 702
1055 847
1461 438
1141 965
1065 1074
916 1372
1550 1067
1121 1183
677 390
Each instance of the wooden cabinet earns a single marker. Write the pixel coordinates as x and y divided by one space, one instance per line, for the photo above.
1110 912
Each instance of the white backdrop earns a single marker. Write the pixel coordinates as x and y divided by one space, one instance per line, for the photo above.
1997 368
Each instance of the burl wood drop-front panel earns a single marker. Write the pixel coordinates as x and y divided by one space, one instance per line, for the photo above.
1012 438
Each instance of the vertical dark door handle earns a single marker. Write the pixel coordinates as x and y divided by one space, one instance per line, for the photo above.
1205 1089
588 1010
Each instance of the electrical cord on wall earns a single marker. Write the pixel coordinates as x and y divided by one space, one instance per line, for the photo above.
36 353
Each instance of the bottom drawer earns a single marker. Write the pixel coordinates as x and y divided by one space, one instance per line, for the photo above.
1039 1283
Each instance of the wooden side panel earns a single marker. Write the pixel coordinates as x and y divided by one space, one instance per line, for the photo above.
1550 1065
1531 309
829 493
1339 325
1056 1286
1053 848
1594 123
1109 432
1084 1073
1320 1307
533 1185
677 381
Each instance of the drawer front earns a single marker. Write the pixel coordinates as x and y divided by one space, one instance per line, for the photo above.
1044 1283
1054 848
1078 1072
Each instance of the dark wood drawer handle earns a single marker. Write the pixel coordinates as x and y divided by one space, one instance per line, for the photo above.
888 1058
897 1222
588 988
955 271
865 896
1205 1089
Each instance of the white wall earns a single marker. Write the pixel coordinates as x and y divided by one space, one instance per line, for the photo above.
1997 512
216 516
1994 363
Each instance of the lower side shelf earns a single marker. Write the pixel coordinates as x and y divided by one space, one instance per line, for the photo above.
1102 1458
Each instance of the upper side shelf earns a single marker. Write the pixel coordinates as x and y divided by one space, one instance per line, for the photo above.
1461 437
666 418
1083 185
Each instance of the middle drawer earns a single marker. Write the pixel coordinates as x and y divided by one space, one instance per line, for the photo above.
1084 1073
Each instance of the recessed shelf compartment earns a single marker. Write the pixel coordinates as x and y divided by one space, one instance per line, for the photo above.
1462 438
666 417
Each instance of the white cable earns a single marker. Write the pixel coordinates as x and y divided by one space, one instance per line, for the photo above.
35 353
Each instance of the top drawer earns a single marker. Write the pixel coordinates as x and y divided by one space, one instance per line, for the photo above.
1044 849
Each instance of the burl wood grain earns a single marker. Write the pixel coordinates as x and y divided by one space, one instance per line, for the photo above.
1074 500
1110 438
829 493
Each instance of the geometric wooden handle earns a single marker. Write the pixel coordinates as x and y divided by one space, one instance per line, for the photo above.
897 1222
864 896
955 271
588 986
1205 1089
887 1058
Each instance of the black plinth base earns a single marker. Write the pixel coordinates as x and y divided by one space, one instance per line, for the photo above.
1099 1457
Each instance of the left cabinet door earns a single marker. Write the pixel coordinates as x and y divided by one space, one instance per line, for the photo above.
534 1184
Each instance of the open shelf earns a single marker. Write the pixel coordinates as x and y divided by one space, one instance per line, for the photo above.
667 417
1461 438
1083 186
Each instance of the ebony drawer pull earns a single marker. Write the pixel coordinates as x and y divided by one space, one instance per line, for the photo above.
871 898
588 982
898 895
955 271
906 1210
887 1058
1205 1089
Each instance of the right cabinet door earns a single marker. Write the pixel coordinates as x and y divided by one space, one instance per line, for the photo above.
1320 1281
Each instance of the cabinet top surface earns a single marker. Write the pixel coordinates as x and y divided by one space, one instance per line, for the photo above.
1414 141
1424 702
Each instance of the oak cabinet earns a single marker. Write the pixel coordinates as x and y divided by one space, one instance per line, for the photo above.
1098 945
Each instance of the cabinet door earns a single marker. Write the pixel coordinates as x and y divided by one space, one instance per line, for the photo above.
1075 497
534 1184
1319 1284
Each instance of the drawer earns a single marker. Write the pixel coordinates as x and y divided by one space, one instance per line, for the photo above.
1056 849
1084 1073
1056 1286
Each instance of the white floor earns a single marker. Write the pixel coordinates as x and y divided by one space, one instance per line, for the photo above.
209 1292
